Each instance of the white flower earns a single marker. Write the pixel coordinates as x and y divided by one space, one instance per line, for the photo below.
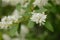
14 2
5 22
56 2
22 1
8 20
3 25
35 17
5 2
22 11
16 15
40 3
6 37
26 4
42 19
38 18
23 32
10 2
4 18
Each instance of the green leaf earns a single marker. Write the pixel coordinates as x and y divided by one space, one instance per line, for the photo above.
26 17
31 24
7 10
40 10
13 30
49 26
0 35
43 10
18 7
30 6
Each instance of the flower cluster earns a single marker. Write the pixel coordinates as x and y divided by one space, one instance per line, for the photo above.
40 3
10 2
38 18
14 2
8 20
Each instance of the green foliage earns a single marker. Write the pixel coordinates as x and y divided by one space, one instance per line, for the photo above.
18 7
12 31
25 18
40 10
49 26
7 10
29 8
51 29
0 35
31 24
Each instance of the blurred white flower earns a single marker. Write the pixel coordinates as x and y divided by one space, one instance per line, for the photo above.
8 20
6 37
22 11
56 2
3 25
16 15
10 2
26 4
35 17
14 2
5 2
4 18
5 22
23 1
40 3
23 32
38 18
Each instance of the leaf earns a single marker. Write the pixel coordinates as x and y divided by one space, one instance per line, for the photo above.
18 7
49 26
30 6
26 17
31 24
0 8
13 30
19 28
40 10
0 35
7 10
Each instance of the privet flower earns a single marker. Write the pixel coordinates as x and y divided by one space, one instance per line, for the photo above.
8 20
40 3
5 22
39 18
